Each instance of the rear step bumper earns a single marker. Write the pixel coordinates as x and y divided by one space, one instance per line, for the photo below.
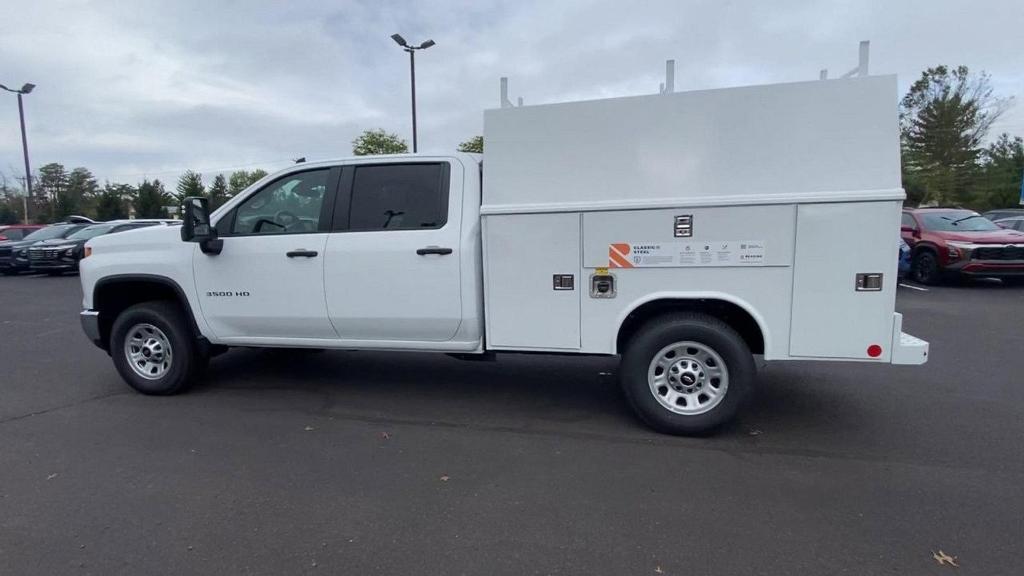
906 349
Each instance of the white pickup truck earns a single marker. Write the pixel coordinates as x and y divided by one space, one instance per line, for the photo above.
686 232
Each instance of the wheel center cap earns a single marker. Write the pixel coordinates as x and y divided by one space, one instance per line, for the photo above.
688 379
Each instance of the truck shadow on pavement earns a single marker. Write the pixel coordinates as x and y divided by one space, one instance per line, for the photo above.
516 392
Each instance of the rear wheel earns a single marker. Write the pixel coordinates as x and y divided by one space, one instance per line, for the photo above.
154 349
686 373
925 267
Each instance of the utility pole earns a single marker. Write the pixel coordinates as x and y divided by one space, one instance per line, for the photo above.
26 89
412 75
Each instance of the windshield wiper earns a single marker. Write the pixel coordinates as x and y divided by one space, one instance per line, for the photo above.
966 218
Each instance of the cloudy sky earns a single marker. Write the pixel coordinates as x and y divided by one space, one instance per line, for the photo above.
149 88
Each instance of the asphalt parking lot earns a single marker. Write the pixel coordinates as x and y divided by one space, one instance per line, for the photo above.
378 463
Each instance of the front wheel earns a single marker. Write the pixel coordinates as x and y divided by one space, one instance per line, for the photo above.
154 349
686 373
925 267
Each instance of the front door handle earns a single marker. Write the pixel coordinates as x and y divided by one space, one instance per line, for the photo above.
302 254
433 250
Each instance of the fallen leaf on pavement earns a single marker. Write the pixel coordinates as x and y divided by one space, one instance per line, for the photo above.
51 476
444 478
755 432
310 428
945 559
385 436
658 570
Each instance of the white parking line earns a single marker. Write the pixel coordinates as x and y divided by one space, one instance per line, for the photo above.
913 287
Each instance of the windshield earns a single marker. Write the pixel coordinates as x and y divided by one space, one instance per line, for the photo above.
50 232
958 221
90 231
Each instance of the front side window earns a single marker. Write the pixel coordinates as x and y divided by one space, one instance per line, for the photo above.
288 205
908 221
398 197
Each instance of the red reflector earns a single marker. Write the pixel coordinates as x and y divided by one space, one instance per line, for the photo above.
874 350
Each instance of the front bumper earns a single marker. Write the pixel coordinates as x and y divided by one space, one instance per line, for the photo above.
50 265
996 260
91 326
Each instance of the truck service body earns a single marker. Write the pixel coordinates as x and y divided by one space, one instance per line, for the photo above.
686 232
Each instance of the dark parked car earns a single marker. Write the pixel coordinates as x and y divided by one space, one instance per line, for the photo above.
994 215
1015 223
14 255
953 241
63 254
15 232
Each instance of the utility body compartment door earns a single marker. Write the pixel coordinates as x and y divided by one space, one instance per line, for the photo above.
834 243
524 253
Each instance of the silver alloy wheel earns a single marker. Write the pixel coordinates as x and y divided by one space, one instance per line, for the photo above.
148 351
688 378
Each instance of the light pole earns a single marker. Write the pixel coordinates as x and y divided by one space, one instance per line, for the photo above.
26 89
412 75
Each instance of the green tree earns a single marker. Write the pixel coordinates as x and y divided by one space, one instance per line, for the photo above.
190 184
150 200
52 186
241 179
943 121
218 191
374 142
111 201
77 195
1002 169
474 144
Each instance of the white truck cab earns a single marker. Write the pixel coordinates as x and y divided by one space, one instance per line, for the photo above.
685 232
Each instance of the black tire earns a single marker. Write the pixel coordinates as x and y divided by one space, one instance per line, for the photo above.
186 362
1014 281
925 267
705 330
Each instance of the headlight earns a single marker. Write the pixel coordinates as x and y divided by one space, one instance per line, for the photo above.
956 250
23 252
69 252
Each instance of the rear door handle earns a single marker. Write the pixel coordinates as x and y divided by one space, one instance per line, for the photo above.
302 254
433 250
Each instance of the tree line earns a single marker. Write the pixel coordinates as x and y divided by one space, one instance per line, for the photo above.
58 193
945 120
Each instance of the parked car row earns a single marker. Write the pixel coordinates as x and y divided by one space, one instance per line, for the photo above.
952 241
59 247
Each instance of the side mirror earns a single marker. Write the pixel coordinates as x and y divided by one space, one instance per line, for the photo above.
195 226
909 230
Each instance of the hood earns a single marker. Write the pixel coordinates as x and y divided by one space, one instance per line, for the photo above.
159 234
988 237
19 243
56 242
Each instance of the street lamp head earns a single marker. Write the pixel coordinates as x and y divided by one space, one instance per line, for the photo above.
399 40
27 88
426 44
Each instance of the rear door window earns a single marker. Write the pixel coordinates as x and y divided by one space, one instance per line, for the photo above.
398 197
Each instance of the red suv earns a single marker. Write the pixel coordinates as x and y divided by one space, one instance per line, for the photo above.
953 241
17 231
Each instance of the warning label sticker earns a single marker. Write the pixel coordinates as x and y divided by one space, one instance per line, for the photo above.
685 254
